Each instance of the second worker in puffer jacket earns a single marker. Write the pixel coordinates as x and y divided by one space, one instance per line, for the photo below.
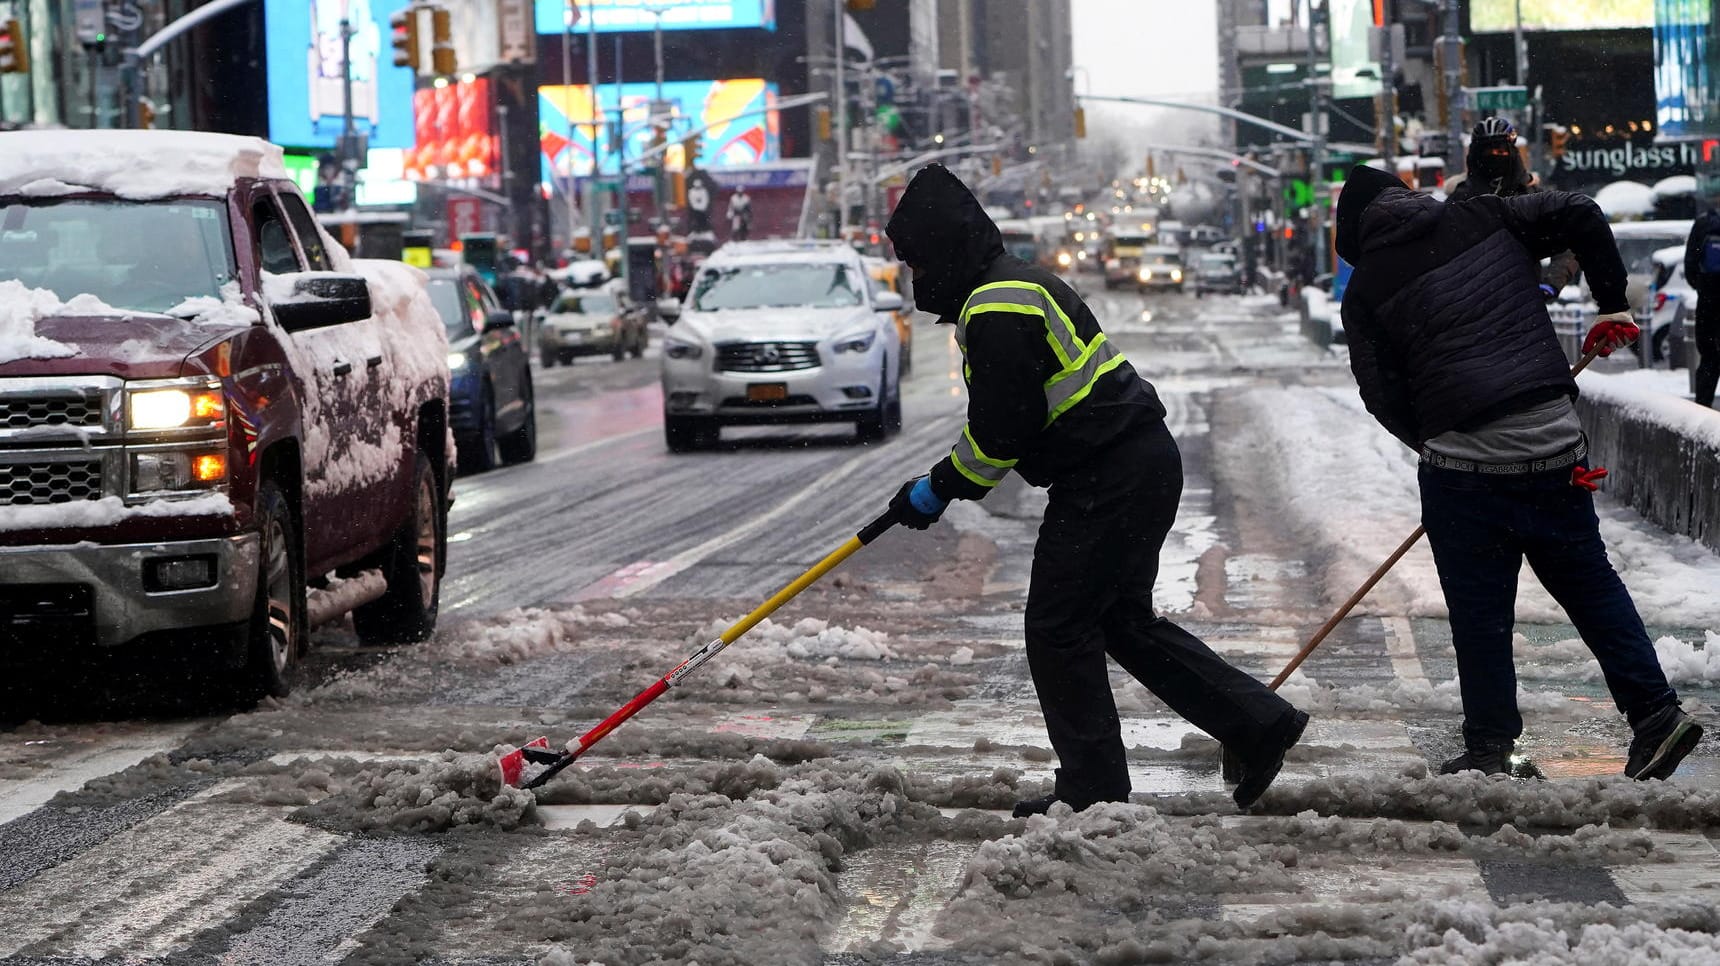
1050 398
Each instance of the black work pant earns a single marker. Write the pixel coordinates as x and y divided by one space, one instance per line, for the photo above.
1708 351
1092 595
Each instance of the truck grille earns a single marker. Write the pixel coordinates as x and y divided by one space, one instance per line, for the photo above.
29 412
766 356
39 484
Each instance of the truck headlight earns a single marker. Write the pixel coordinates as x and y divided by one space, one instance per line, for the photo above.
1063 259
176 470
1146 274
676 349
858 342
176 408
1176 274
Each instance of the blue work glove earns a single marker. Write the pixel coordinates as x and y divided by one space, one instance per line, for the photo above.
1549 293
916 506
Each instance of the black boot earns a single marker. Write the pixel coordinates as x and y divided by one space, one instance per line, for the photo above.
1488 758
1661 742
1257 773
1034 806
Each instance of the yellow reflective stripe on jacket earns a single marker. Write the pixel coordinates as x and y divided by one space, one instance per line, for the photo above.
971 462
1083 363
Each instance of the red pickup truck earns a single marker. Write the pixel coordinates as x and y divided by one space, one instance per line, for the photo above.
216 429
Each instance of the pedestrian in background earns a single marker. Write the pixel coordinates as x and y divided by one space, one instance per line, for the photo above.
1494 166
1455 356
1050 398
1702 269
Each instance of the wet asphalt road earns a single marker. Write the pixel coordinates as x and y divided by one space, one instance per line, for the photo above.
134 831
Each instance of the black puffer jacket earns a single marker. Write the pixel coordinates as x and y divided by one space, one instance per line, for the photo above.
1446 326
941 231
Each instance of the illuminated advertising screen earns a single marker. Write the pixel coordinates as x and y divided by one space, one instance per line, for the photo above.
745 127
455 139
1500 16
611 16
1354 71
1684 68
307 105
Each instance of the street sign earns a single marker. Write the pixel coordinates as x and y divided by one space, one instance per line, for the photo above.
1497 98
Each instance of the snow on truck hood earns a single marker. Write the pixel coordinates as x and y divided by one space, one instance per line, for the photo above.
136 165
787 324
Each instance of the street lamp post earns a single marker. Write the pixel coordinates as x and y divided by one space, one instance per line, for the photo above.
567 103
1317 146
838 34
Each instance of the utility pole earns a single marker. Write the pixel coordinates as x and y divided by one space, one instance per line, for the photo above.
1453 46
567 86
593 206
1316 128
1388 94
839 34
349 127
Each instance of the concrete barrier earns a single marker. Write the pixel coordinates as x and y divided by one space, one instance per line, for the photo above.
1662 451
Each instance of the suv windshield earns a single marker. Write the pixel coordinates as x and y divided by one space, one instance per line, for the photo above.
585 304
817 285
147 257
445 295
1216 263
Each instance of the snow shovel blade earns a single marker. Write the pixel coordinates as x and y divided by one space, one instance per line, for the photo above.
512 764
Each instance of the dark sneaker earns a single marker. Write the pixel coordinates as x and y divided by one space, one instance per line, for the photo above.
1661 742
1258 774
1034 806
1486 759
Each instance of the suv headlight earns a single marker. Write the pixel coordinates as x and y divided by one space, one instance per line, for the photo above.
176 408
1146 274
457 361
1176 274
858 342
676 349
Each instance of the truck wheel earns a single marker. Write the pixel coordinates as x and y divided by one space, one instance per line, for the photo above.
276 633
478 453
412 565
520 446
685 434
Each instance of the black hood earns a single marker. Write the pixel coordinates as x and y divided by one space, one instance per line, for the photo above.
939 228
1363 185
1504 176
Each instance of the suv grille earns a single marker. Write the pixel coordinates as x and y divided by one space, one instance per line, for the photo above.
29 412
38 484
766 356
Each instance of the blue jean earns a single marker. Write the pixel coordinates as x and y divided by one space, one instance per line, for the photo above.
1481 528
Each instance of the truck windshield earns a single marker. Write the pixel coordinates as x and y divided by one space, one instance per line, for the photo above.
142 256
823 286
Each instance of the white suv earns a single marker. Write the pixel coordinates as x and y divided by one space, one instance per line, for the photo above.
780 332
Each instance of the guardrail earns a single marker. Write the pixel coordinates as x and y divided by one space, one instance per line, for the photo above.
1663 452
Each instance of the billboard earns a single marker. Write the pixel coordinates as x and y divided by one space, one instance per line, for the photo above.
307 106
753 135
1500 16
611 16
455 139
1355 73
1685 91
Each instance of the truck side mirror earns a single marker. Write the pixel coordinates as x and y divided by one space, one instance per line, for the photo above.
498 319
669 309
314 300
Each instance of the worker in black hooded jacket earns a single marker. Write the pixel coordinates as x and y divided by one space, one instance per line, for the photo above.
1456 356
1050 398
1495 167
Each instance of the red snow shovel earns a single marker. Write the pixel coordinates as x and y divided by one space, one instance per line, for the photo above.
548 764
1230 763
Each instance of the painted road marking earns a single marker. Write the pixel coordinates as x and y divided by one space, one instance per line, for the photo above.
71 756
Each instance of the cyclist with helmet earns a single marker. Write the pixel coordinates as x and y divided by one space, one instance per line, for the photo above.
1495 167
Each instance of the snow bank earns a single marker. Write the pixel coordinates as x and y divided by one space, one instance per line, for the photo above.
1652 406
806 639
110 510
1398 696
1685 662
132 164
21 307
431 796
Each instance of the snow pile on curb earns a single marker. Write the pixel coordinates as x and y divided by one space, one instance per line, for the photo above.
1555 934
1399 695
1699 424
1685 662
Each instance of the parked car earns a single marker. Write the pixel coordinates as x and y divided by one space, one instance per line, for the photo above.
492 408
1216 272
887 276
223 430
592 322
1160 266
1671 292
781 332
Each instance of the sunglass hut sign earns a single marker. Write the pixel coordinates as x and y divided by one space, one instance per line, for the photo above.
1625 160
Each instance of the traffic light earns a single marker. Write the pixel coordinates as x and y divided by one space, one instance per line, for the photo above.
824 124
659 137
442 61
404 26
14 56
690 150
1080 122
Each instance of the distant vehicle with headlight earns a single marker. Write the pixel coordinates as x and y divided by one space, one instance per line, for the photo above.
1122 255
216 428
1160 267
781 332
492 408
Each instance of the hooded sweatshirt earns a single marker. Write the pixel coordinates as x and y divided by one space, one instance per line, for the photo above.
1443 314
1004 310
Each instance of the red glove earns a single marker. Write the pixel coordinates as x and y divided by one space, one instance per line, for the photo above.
1586 478
1612 331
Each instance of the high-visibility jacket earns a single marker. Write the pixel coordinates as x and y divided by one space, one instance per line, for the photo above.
1047 389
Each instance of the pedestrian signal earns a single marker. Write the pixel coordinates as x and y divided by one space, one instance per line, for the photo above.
1080 122
14 56
404 26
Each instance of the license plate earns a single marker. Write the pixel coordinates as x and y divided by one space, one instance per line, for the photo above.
767 391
